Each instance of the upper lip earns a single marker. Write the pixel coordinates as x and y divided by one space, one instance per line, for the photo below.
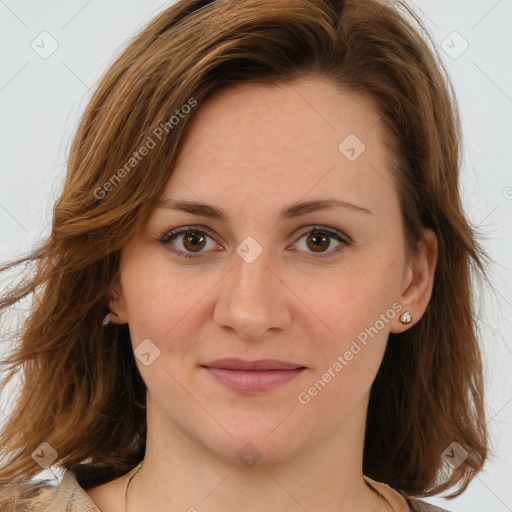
260 364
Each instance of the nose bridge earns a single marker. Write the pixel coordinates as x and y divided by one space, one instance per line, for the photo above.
251 298
252 281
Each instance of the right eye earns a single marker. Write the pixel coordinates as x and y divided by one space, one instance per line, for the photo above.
191 238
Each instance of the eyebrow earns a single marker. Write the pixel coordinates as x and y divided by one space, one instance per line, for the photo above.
288 212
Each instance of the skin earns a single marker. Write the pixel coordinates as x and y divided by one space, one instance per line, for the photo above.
252 150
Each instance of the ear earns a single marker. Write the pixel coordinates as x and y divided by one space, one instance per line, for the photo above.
116 304
418 281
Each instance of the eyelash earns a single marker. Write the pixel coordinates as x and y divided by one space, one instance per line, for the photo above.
167 236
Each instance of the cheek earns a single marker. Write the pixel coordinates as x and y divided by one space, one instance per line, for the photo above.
356 296
158 299
356 307
349 359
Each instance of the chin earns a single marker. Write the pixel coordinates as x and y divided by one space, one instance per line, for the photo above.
252 445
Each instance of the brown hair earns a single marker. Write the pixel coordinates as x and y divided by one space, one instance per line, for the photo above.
82 392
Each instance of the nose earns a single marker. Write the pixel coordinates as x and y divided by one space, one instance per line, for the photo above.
254 300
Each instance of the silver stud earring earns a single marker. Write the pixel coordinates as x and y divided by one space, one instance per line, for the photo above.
406 317
107 319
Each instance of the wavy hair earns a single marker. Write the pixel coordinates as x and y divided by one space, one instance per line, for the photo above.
82 392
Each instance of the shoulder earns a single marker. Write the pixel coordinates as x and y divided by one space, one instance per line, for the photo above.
27 497
417 505
47 496
400 501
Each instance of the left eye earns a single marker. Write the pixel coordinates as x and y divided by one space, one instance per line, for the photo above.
318 240
194 240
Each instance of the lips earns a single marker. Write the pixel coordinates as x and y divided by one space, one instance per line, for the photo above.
252 377
261 365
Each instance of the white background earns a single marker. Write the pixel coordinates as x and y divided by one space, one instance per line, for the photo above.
41 100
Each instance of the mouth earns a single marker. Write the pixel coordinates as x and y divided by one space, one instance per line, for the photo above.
253 377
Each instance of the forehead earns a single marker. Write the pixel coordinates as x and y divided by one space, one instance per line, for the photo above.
260 140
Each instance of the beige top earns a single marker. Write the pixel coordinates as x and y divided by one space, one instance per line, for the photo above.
69 496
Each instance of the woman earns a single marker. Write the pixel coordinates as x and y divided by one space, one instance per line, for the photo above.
257 288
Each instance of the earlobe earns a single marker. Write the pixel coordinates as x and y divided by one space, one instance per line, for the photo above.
418 283
117 311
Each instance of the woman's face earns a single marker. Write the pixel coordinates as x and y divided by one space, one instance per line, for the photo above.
261 284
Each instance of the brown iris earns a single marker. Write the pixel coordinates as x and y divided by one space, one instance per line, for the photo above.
319 241
191 239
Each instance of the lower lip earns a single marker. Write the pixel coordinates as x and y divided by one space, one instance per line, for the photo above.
253 381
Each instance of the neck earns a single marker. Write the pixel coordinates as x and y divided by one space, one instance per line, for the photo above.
179 473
